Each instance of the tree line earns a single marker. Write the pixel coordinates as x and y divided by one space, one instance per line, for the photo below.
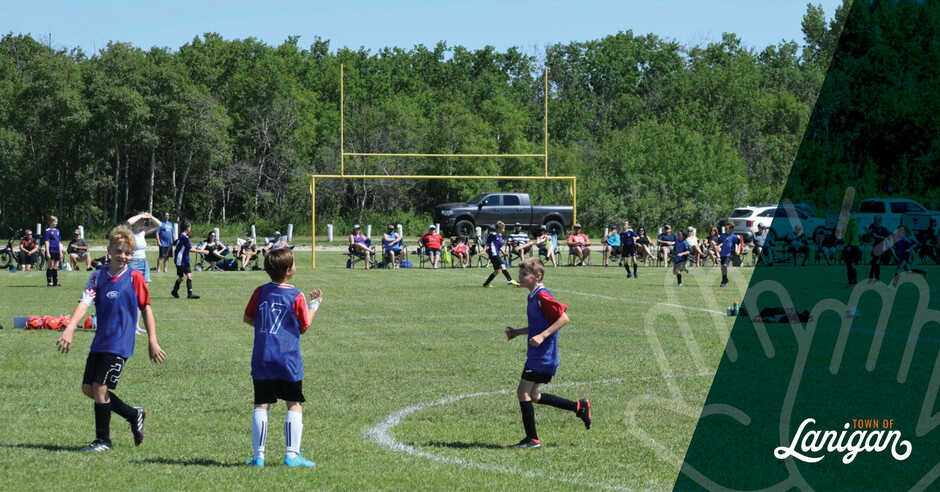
228 131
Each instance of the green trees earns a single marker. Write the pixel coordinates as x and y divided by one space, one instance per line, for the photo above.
230 130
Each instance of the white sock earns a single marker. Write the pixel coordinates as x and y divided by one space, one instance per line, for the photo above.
293 429
259 431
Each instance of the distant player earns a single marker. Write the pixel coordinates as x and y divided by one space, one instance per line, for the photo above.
904 249
494 248
545 317
280 314
53 241
183 272
120 295
728 242
628 239
681 253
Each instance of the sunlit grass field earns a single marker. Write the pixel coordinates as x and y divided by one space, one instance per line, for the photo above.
409 383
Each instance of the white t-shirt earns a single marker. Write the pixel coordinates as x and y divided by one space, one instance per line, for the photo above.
140 244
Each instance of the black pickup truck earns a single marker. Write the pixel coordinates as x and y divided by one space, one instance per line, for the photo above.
460 219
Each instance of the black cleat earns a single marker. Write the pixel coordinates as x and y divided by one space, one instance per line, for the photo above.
528 444
175 294
192 296
723 284
96 446
584 412
137 426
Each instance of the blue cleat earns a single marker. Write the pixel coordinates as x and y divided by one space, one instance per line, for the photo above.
256 463
298 461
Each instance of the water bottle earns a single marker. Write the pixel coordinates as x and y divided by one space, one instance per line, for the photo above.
735 309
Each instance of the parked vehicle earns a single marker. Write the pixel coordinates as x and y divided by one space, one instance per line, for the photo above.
778 218
460 219
894 212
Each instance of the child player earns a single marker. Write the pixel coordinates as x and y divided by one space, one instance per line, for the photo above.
628 239
280 314
183 246
53 241
494 247
681 255
729 242
119 295
545 316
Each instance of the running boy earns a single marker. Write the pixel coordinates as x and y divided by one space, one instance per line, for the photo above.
729 242
494 249
279 314
119 295
681 255
53 240
628 239
545 317
183 246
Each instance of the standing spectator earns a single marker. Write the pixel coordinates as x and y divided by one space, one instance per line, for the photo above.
579 245
183 272
53 240
729 242
611 244
666 241
763 245
931 242
391 245
140 228
166 236
78 250
247 253
519 241
796 243
29 251
850 254
628 248
544 243
433 242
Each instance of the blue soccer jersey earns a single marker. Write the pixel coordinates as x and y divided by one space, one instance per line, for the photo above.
494 244
52 239
542 310
182 250
628 237
118 301
280 314
165 234
727 242
681 247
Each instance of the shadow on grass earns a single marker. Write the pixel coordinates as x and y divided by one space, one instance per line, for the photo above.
47 447
190 462
465 445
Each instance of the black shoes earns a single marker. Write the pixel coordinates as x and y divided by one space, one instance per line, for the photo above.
96 446
584 412
528 444
137 426
175 294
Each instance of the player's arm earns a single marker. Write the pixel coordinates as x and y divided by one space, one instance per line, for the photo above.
515 332
538 339
65 341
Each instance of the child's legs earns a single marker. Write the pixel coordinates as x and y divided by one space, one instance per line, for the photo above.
293 406
528 391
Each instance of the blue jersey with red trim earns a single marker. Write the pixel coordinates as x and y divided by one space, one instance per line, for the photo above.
280 314
542 310
118 301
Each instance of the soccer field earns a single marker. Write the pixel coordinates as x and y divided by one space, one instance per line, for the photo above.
409 381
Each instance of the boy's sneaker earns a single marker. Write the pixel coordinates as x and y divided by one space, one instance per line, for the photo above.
192 296
137 426
584 412
256 463
175 294
723 284
512 283
528 444
298 461
629 275
487 286
96 446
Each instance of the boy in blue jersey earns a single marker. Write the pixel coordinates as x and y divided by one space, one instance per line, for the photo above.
120 295
545 317
280 314
494 250
53 242
904 250
681 255
728 242
628 239
183 247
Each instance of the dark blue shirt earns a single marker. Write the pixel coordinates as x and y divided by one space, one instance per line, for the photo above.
52 239
728 242
668 237
165 234
494 243
182 250
628 237
681 247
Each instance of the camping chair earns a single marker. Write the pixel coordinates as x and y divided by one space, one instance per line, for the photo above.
572 256
253 262
202 259
555 249
353 256
479 248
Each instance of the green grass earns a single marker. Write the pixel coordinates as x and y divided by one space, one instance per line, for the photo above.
382 341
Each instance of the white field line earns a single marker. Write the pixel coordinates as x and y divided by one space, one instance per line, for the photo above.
382 433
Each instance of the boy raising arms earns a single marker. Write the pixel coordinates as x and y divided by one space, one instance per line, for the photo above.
546 316
117 293
280 314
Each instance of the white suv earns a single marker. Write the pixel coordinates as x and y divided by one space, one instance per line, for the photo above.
777 218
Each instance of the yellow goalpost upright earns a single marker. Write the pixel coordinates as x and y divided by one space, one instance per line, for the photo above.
572 180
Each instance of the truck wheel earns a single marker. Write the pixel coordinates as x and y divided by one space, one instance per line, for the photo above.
555 227
464 228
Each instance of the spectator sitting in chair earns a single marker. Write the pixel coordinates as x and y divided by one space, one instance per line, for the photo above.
644 246
246 253
666 241
433 242
796 243
579 245
828 247
460 250
78 250
29 251
611 244
213 251
519 241
696 252
713 250
392 246
275 242
763 245
544 243
931 242
361 244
